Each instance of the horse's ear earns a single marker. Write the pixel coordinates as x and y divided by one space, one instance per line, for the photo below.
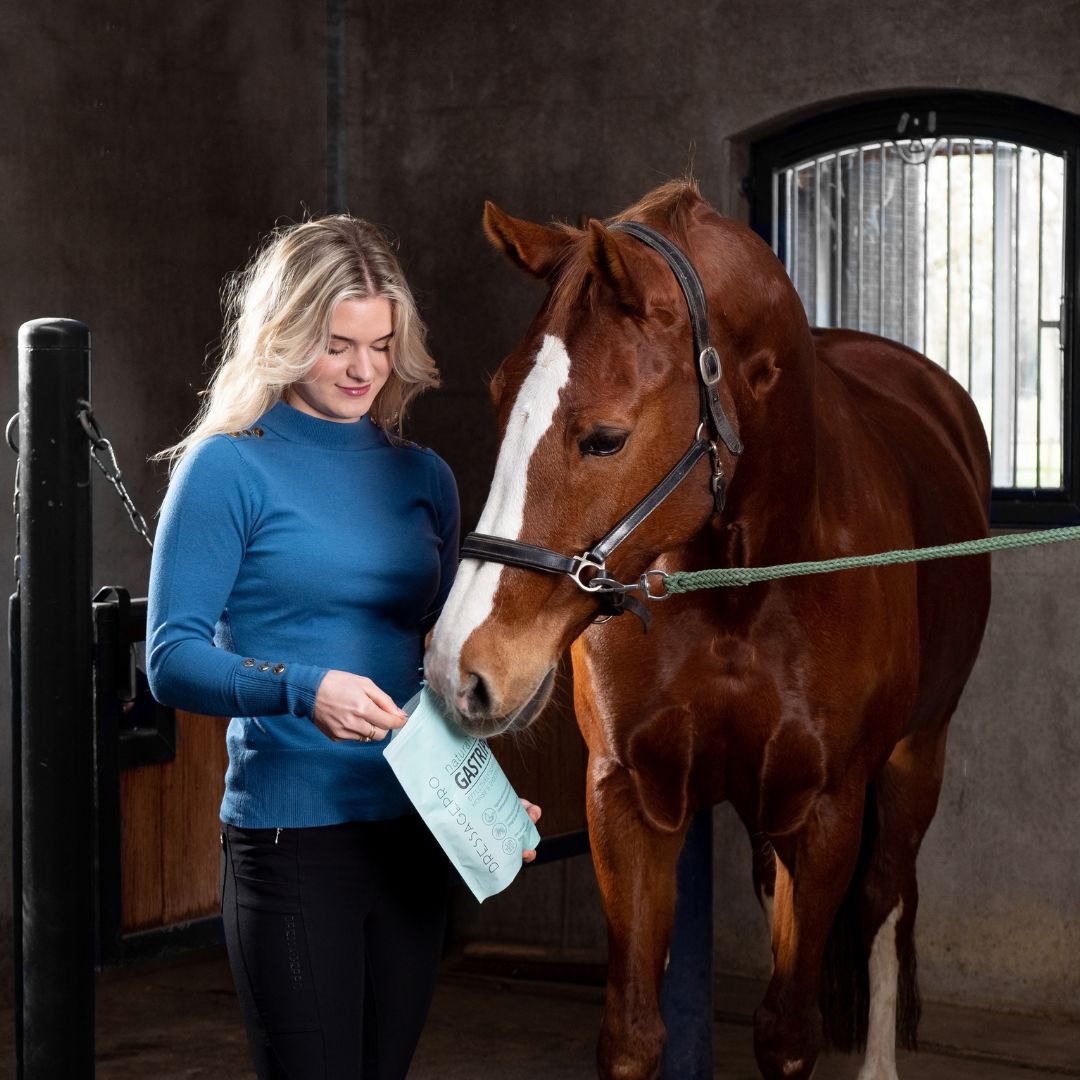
607 259
534 248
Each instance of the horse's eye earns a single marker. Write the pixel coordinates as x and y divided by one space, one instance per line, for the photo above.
601 443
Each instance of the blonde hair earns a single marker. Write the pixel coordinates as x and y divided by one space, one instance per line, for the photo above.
277 323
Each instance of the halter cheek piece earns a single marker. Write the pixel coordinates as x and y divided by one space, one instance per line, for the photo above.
588 570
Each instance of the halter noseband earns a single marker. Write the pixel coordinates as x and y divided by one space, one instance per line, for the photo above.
588 570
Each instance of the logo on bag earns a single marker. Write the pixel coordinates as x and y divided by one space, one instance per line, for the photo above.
472 766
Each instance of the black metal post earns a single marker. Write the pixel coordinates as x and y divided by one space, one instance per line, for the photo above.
55 844
686 1001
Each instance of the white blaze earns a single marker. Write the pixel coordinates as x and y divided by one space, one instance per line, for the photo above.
880 1060
473 595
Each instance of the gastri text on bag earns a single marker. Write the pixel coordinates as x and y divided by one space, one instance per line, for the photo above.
462 794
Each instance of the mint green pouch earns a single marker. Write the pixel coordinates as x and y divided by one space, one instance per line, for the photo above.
463 796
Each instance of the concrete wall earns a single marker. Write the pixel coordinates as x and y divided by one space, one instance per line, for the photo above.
144 150
561 108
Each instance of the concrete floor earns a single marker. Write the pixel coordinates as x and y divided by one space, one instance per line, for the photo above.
180 1021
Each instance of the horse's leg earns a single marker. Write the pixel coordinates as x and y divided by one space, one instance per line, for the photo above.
906 795
763 873
635 861
814 865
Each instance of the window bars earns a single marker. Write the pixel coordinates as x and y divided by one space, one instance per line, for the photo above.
954 246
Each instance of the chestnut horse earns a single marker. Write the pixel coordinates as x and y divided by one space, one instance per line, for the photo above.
817 706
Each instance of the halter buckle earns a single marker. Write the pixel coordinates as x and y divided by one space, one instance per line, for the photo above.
709 366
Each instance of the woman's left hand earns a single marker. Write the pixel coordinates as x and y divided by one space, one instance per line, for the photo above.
534 812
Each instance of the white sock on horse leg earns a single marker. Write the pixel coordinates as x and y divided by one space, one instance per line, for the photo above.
880 1060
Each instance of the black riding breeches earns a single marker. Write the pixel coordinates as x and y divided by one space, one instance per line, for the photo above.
334 937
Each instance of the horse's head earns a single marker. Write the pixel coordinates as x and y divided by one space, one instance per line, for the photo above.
595 406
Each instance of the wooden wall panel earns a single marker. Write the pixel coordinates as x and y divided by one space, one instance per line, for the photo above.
190 804
140 847
169 832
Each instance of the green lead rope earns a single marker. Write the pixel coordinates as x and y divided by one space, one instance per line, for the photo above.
682 581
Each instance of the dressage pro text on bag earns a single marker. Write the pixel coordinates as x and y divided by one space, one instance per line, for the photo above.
463 796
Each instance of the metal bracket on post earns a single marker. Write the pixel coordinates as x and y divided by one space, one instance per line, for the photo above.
54 842
686 999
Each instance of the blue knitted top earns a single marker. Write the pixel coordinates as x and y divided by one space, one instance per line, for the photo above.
297 546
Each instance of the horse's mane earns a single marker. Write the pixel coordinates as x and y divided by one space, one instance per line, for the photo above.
665 207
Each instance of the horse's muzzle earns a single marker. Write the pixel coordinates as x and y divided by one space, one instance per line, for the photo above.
480 715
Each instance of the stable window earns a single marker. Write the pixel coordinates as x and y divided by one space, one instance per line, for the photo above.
947 222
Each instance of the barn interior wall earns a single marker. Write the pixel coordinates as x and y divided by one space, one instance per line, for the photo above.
144 150
560 109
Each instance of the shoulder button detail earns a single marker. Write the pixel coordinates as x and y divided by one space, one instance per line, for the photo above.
279 668
258 431
249 662
265 665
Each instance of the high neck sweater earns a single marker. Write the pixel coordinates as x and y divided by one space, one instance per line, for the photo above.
294 547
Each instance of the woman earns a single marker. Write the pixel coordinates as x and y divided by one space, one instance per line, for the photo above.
304 551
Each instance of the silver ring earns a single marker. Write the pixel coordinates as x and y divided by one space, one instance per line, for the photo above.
643 584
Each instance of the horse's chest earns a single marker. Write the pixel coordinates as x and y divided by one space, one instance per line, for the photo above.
761 721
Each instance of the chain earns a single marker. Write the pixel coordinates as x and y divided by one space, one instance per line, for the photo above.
101 450
108 465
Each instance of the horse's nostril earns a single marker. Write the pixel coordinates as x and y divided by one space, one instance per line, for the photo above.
473 698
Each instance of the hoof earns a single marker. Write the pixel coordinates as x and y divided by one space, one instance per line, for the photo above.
877 1070
628 1056
786 1047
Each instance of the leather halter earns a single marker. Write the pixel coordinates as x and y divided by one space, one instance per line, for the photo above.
588 570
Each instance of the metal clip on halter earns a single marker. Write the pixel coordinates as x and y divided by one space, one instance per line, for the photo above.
584 562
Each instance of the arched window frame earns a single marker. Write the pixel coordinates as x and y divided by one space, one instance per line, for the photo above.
979 115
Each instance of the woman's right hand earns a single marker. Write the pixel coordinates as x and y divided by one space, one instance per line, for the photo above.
352 707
